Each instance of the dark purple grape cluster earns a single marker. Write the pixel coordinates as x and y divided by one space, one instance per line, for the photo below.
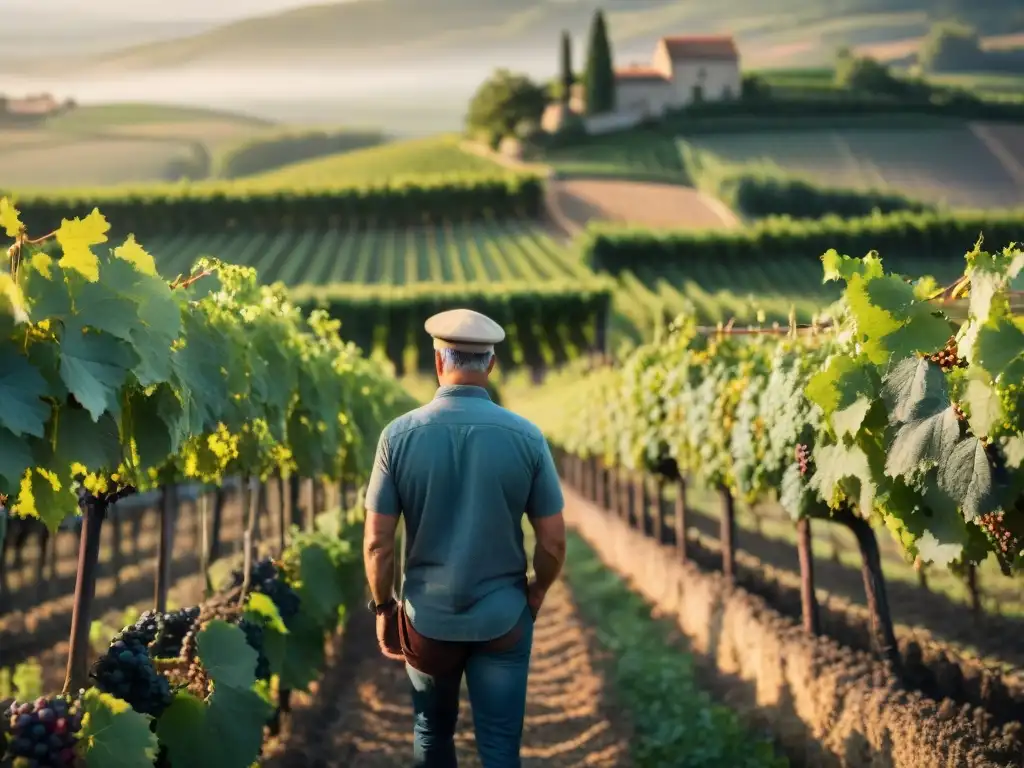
1005 541
144 630
947 358
803 459
254 637
127 672
43 733
268 579
171 633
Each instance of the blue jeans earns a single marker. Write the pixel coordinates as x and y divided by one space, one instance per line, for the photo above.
497 692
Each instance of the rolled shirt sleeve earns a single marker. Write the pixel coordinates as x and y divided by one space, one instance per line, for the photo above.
381 494
545 497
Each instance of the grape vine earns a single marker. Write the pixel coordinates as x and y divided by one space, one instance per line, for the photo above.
887 406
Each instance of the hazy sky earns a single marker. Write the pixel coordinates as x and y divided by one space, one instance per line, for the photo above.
154 9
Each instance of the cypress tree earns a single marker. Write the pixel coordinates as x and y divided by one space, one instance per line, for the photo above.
566 67
599 75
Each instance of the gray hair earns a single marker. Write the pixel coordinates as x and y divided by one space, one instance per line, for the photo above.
456 360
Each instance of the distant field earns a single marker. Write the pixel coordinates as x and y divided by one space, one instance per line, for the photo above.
963 166
455 253
117 144
101 116
87 162
639 203
434 156
637 155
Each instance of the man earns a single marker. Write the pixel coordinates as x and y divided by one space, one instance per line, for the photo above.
463 472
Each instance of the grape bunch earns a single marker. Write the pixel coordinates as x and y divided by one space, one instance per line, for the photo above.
171 633
43 733
1006 541
803 459
144 630
947 358
223 607
959 412
127 672
268 579
254 637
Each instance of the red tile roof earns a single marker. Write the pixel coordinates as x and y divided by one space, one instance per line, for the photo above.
701 47
640 73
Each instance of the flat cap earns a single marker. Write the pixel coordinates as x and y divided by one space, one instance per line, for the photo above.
464 330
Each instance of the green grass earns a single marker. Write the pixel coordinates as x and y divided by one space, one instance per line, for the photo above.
103 116
435 156
946 164
633 155
984 83
508 251
675 722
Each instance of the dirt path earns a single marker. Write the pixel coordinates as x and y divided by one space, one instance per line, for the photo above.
641 203
361 715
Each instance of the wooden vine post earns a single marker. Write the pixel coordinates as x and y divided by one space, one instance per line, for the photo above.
659 509
282 513
883 633
644 502
808 599
680 518
165 547
94 510
727 534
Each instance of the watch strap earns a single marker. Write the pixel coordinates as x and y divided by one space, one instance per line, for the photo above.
373 607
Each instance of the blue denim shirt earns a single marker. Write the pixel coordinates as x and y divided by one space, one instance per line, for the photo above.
463 471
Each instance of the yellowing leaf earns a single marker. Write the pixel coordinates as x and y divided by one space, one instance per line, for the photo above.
137 255
76 238
9 218
12 301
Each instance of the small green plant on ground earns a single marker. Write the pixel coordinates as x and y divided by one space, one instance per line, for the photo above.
675 722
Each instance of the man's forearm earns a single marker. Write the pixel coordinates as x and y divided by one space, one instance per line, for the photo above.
547 564
379 560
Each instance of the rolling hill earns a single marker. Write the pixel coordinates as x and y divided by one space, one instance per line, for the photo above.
401 31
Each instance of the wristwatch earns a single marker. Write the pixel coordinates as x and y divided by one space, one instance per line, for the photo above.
384 607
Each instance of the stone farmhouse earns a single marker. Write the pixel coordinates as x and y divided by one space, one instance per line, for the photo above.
684 70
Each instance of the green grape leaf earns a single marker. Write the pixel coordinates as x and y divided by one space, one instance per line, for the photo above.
45 495
153 348
9 218
914 389
841 384
838 267
98 306
76 238
1013 450
155 426
997 345
984 286
113 734
873 322
94 366
848 421
983 405
966 475
15 458
262 610
921 444
835 464
225 733
79 439
923 332
321 590
182 729
199 367
298 656
235 721
22 387
226 656
46 290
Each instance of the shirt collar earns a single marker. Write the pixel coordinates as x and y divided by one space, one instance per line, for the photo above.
461 390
